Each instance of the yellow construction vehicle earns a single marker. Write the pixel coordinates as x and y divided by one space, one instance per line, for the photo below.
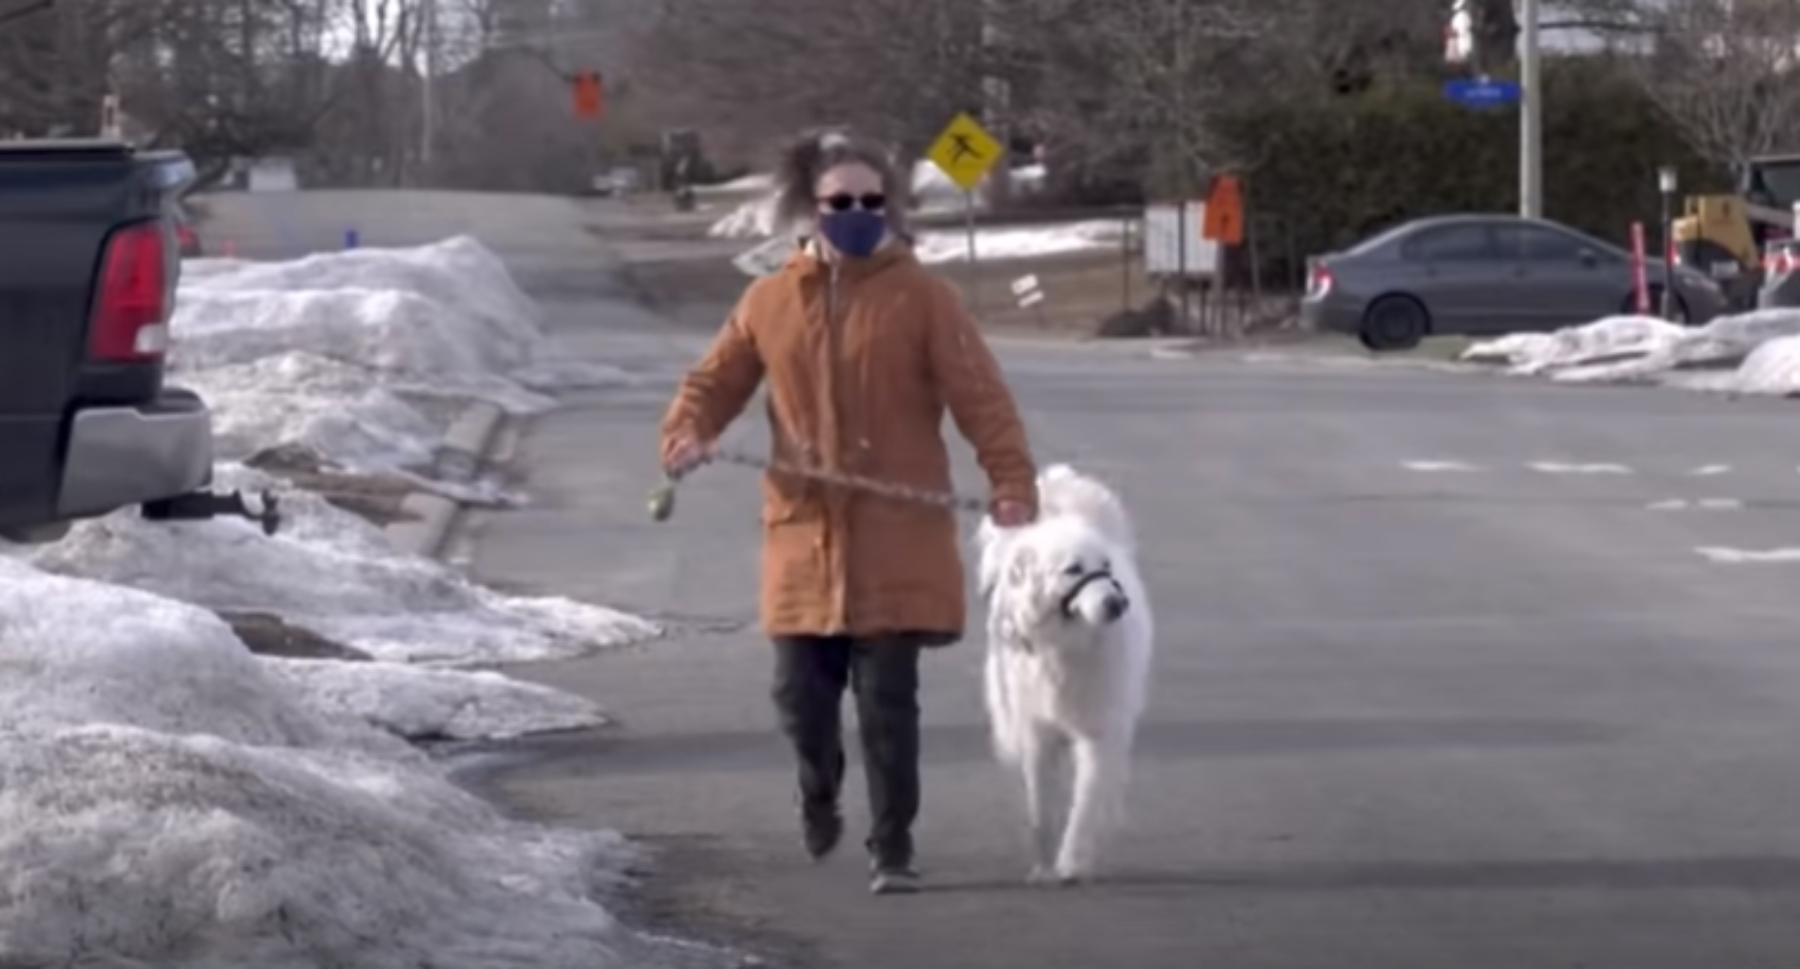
1724 235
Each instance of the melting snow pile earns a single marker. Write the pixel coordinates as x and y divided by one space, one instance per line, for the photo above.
1020 243
754 182
336 574
432 704
165 801
754 219
325 351
1747 353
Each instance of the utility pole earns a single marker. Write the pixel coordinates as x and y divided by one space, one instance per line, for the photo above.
427 97
1531 114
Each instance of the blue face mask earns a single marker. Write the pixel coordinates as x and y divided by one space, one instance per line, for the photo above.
853 232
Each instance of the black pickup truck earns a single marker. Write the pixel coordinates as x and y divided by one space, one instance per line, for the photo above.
89 264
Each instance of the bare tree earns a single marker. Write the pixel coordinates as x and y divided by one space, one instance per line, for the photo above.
1135 88
1727 72
892 69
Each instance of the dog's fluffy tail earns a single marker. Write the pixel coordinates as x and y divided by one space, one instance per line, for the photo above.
1062 490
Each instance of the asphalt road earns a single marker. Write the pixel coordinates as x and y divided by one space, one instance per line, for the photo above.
1483 716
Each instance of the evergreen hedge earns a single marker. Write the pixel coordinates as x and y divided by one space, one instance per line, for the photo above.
1327 173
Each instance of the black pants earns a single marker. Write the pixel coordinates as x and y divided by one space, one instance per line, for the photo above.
811 673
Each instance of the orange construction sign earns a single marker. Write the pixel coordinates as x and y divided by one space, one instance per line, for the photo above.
1224 221
590 96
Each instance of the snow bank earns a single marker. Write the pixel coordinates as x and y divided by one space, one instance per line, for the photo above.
1773 368
331 408
325 351
1749 353
1026 242
754 219
334 573
933 191
430 704
754 182
1609 339
164 801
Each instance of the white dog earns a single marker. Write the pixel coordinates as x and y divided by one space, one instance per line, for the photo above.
1070 638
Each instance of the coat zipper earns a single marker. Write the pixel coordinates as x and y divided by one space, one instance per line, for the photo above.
833 539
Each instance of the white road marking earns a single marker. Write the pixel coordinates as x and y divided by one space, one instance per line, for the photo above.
1704 504
1710 470
1740 556
1438 466
1557 467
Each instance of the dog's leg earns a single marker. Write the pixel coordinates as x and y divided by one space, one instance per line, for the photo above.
1042 755
1099 774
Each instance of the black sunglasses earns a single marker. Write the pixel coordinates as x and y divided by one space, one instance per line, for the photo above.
844 201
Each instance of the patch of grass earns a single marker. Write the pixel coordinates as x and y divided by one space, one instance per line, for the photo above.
1440 348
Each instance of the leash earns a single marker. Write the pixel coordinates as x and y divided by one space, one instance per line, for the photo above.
662 499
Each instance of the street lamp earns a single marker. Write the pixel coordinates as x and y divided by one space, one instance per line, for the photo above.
1667 182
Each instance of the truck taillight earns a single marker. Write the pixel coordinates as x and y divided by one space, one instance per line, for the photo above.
131 309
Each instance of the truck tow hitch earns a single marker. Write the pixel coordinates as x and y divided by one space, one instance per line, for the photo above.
203 505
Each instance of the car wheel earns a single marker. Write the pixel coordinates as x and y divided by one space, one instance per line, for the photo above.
1629 306
1394 323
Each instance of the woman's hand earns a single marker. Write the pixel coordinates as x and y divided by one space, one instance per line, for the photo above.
1009 513
683 453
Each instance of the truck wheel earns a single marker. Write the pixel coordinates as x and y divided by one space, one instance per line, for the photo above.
1394 323
35 534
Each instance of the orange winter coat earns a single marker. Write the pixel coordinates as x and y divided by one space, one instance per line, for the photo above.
862 360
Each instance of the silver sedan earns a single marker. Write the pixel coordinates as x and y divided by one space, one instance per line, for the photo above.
1484 275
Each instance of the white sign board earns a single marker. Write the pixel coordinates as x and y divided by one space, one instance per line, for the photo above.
1165 225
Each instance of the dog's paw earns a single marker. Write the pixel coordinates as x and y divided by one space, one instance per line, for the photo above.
1070 875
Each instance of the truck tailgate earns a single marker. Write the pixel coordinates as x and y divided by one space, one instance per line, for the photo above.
58 203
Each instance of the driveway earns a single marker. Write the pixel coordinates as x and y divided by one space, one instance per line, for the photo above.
1444 679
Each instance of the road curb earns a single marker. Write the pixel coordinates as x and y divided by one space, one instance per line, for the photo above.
424 525
426 517
468 440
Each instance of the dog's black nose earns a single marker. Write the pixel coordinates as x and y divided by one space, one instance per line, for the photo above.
1115 608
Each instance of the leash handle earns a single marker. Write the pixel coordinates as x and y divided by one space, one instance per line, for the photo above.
662 500
662 497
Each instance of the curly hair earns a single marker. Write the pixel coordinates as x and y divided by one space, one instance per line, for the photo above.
819 151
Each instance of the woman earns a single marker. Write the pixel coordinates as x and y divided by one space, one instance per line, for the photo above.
863 351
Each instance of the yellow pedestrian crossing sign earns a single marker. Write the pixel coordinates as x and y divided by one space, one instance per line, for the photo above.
965 151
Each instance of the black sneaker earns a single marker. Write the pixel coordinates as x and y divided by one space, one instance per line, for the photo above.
821 830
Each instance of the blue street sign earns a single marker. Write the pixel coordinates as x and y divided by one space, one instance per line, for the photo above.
1481 93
